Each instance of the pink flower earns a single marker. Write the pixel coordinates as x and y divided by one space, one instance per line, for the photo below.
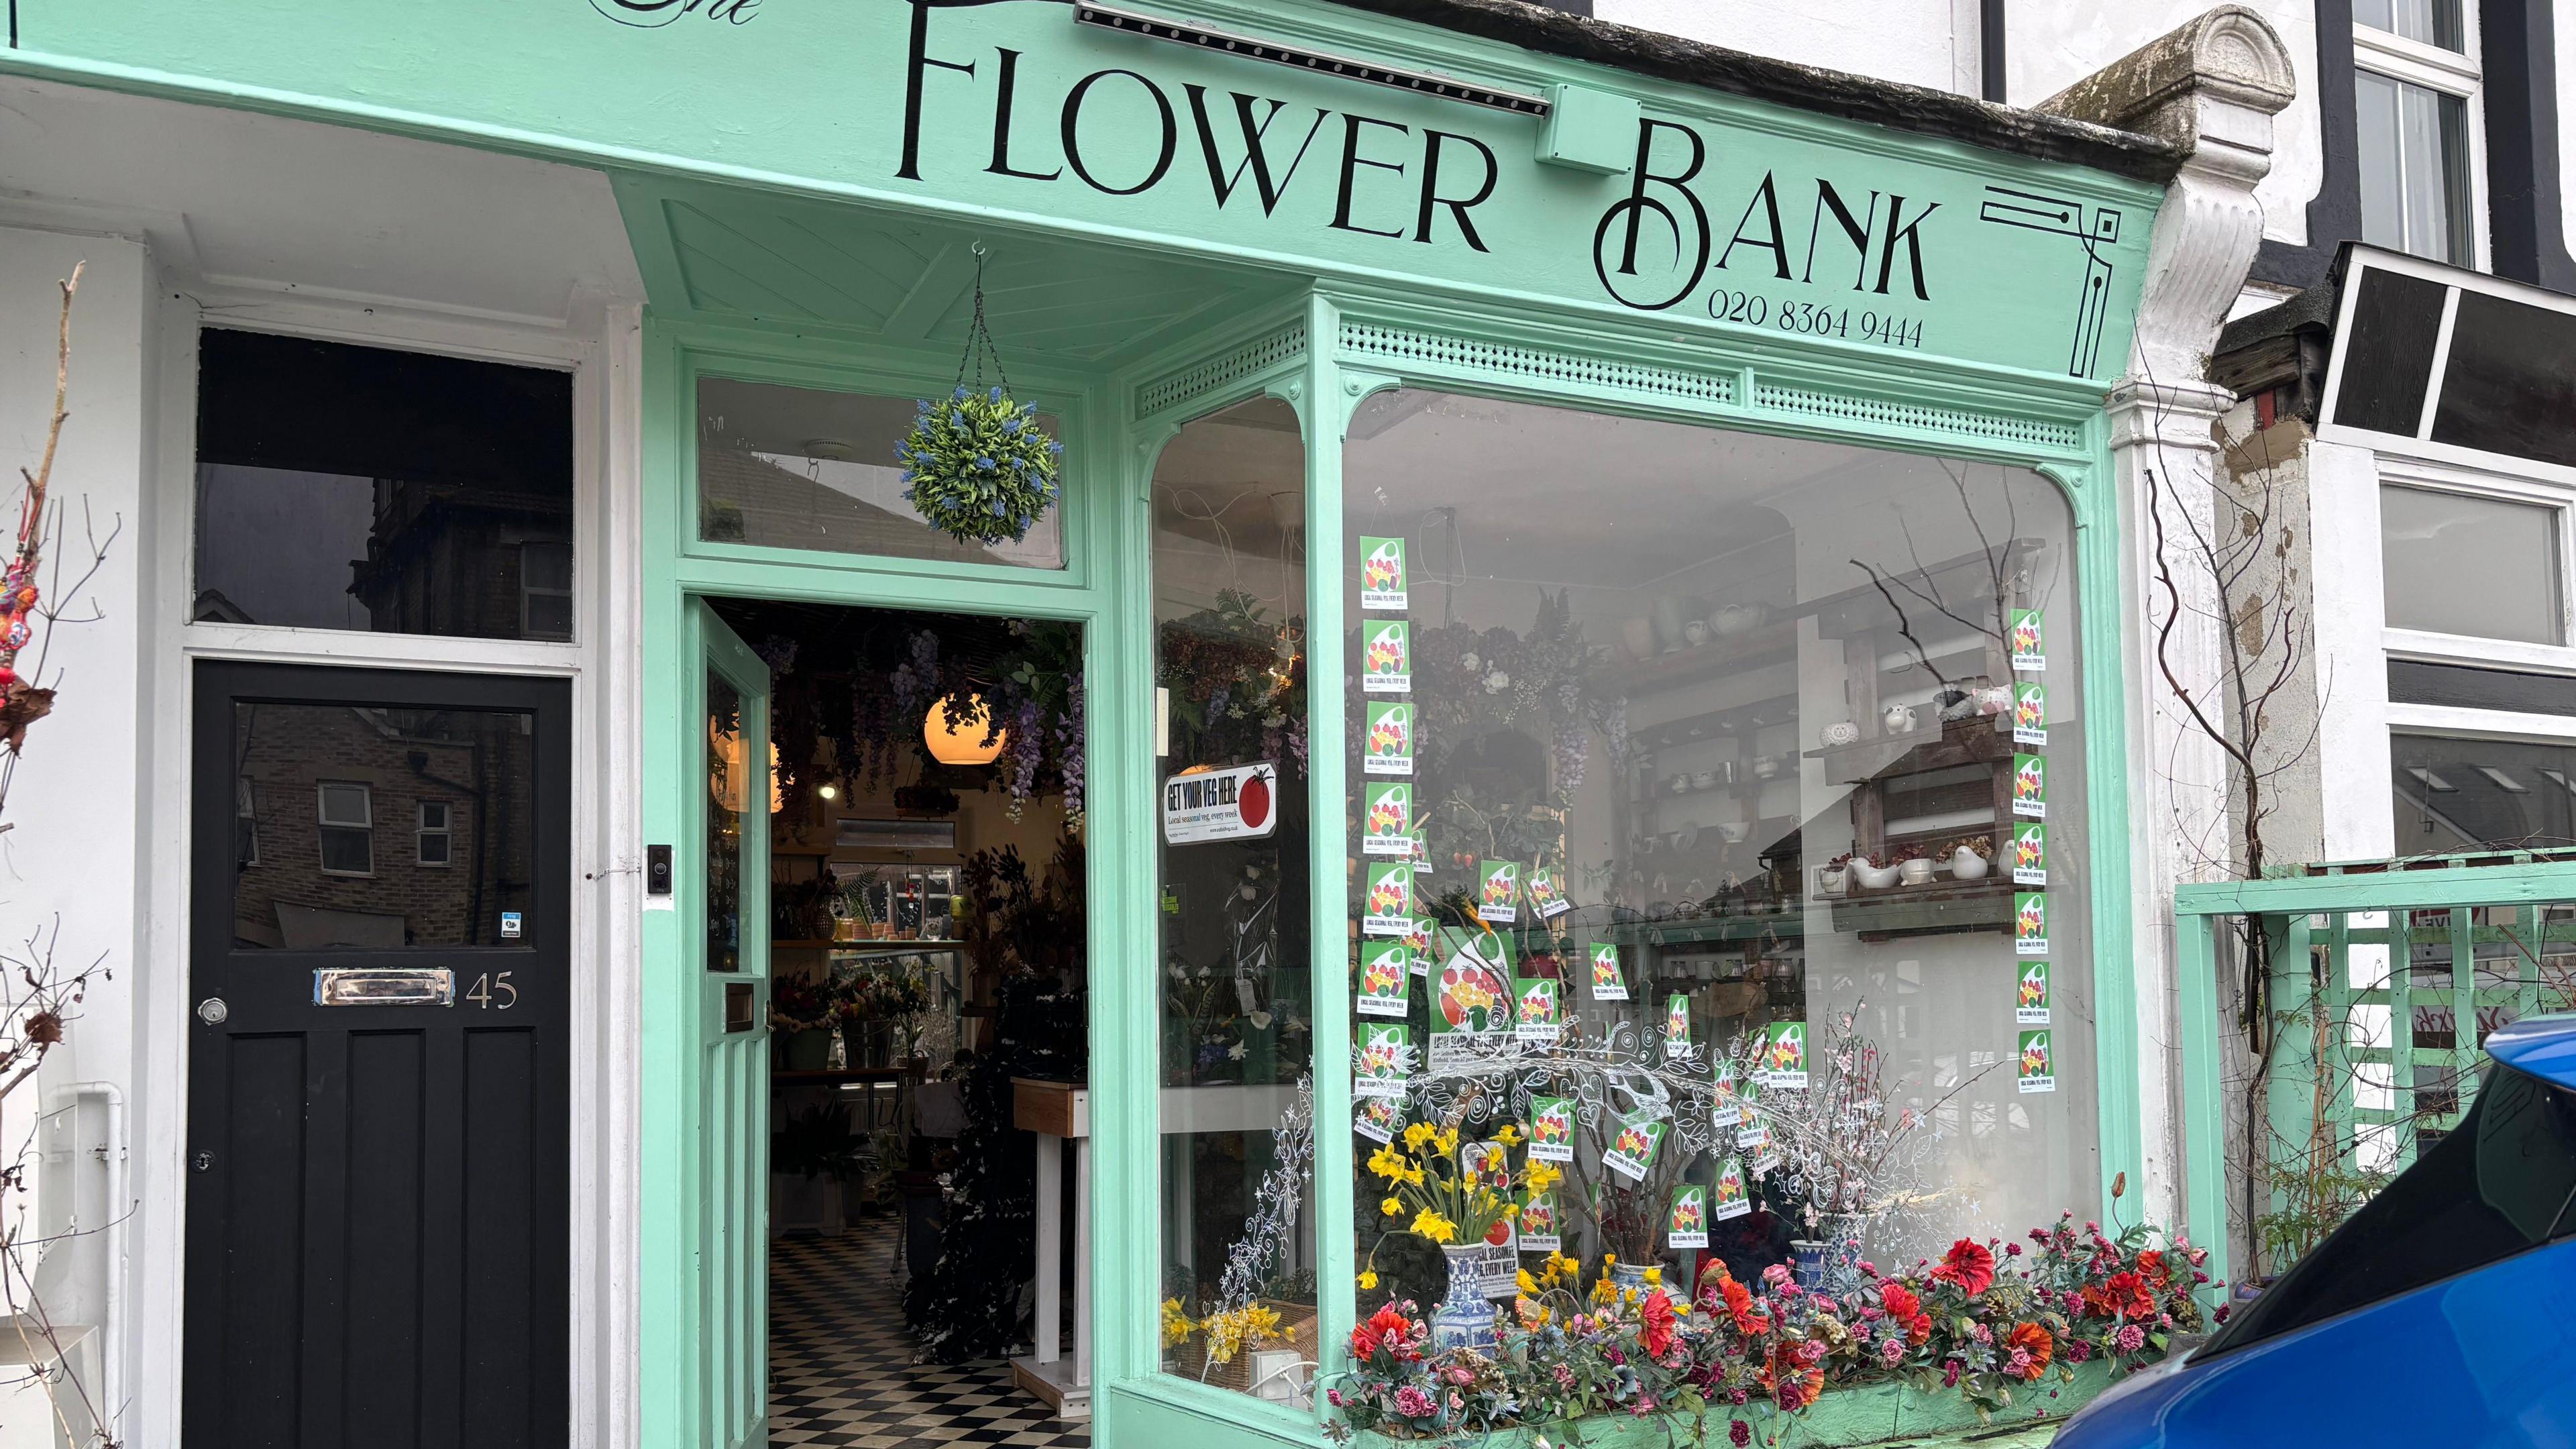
1950 1374
1790 1399
1775 1275
1981 1333
1739 1434
1564 1377
2221 1314
1333 1397
1890 1350
2073 1302
1412 1402
1457 1375
2012 1250
2077 1350
2131 1338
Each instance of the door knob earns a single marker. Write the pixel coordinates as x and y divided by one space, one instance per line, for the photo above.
212 1011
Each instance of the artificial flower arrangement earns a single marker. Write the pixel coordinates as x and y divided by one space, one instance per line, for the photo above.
978 466
1988 1319
799 1003
1443 1194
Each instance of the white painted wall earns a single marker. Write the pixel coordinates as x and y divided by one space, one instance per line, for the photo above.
2049 45
73 854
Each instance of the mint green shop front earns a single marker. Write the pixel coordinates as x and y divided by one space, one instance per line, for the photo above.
1346 222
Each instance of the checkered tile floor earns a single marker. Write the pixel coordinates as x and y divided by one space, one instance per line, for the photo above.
841 1374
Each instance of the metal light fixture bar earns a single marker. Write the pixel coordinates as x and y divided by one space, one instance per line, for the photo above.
1183 32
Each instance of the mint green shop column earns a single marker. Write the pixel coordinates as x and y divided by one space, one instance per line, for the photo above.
1290 200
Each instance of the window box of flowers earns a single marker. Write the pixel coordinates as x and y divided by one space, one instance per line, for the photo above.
1991 1333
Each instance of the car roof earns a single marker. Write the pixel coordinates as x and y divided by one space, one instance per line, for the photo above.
2544 1046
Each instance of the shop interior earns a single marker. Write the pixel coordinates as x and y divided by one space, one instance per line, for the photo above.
926 954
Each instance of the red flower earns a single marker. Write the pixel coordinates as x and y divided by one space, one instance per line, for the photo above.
2037 1342
1920 1329
2151 1266
1969 1265
2128 1297
1390 1330
1657 1314
1739 1306
1900 1300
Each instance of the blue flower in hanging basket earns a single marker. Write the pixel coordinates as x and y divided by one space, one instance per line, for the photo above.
979 469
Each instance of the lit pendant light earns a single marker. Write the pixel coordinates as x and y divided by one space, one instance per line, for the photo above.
955 741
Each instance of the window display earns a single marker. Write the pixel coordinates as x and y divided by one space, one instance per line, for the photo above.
1721 847
1238 1301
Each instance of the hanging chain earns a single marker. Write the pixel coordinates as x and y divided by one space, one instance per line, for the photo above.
979 338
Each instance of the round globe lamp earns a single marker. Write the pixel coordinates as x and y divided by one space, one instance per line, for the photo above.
960 741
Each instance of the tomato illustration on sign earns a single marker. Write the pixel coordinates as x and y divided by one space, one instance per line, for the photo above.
2029 778
2034 987
1538 1004
2034 1055
2029 847
1469 992
1631 1142
1382 568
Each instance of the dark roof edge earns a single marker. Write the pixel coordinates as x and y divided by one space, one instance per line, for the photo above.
1917 109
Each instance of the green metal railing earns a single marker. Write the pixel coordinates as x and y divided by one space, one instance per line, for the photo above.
2384 979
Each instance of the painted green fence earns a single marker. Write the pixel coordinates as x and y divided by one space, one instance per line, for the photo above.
2384 979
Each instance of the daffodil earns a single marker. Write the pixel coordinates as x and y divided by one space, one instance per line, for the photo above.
1446 1139
1417 1134
1429 1224
1509 1134
1654 1277
1368 1277
1528 1283
1392 1208
1543 1175
1176 1324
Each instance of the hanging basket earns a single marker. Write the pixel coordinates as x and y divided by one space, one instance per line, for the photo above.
977 466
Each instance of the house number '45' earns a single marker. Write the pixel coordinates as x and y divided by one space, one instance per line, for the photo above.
493 991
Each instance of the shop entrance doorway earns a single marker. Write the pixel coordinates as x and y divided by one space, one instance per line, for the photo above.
378 1072
903 895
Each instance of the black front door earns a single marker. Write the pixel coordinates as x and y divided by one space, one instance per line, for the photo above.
378 1245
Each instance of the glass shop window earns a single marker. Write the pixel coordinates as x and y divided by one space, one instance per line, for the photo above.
2457 794
1237 980
2414 148
2429 541
357 780
1701 782
345 487
800 467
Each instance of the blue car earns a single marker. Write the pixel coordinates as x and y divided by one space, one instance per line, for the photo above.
2443 1313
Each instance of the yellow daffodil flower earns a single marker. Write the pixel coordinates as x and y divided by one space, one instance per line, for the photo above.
1417 1134
1509 1134
1446 1139
1392 1208
1368 1277
1528 1284
1429 1224
1654 1277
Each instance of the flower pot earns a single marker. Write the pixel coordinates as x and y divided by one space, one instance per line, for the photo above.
1872 877
1915 872
1465 1318
1631 1277
809 1050
1830 882
1829 1262
1966 864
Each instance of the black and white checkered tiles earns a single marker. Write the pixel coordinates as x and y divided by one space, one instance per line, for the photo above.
841 1374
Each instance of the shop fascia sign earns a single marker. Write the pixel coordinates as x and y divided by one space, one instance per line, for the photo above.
1694 217
1703 210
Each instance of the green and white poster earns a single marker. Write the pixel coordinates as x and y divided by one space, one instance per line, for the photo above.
1386 978
1422 937
1534 1018
1382 582
1472 1008
1632 1149
1677 1025
1538 1229
1725 1107
1498 890
1687 1225
1784 1056
1547 893
2029 642
2030 923
2030 786
2030 713
1390 899
1731 1200
2030 998
1382 1059
1386 819
1376 1118
1552 1129
1386 656
2037 1068
1608 982
2029 853
1388 749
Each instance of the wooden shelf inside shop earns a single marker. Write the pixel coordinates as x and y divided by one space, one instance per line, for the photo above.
1979 740
1690 664
1939 908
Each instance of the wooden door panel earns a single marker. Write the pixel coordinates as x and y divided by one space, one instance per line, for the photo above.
378 1213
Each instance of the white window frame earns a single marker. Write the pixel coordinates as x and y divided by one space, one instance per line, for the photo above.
2438 648
445 830
2458 73
528 591
323 824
